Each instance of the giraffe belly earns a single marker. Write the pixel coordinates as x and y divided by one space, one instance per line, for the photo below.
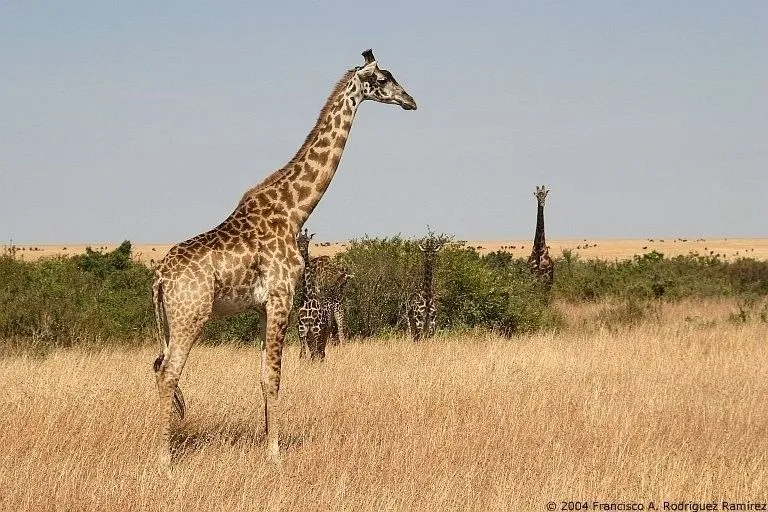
231 300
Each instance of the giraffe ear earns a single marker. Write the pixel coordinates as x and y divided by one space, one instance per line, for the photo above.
370 64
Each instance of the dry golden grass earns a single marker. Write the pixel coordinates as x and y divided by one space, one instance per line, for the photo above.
674 410
609 249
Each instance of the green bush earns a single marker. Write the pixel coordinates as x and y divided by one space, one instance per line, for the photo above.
492 291
65 300
105 297
385 271
653 275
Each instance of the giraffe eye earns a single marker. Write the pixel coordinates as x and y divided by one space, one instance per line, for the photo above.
381 79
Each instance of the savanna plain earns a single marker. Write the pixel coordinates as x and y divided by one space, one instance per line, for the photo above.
672 408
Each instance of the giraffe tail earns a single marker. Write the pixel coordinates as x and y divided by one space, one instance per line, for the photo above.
164 336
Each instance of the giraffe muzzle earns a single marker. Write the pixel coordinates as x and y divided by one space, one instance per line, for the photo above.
407 102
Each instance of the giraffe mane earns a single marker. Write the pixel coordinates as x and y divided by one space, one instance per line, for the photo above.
280 173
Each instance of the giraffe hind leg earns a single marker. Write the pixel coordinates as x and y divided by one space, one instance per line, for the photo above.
167 377
340 322
179 404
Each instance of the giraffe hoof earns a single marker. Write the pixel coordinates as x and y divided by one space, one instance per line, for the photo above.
274 456
164 467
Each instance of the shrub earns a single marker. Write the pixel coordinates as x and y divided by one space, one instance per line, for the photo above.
104 297
653 275
385 272
492 291
63 300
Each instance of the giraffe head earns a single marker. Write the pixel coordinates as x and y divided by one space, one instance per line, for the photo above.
341 281
302 241
430 245
379 84
541 194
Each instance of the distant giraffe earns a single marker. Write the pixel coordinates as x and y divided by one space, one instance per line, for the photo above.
331 279
321 309
421 308
542 265
313 324
251 261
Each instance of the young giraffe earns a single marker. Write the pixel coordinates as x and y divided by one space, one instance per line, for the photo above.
542 265
421 308
317 316
313 324
251 260
328 277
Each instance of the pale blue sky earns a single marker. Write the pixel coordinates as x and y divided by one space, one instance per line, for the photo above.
148 120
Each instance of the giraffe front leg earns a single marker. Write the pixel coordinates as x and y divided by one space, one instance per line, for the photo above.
432 326
303 339
418 323
410 323
314 344
278 308
322 339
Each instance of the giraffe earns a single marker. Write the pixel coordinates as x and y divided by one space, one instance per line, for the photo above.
331 279
313 324
421 308
318 317
321 307
251 260
542 265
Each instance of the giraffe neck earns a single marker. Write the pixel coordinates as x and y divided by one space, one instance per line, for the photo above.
427 276
539 241
309 290
301 183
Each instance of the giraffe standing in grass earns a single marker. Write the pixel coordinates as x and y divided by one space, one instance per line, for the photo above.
542 265
318 313
251 261
421 308
331 280
313 324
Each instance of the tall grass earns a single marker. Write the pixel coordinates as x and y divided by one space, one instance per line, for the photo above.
667 410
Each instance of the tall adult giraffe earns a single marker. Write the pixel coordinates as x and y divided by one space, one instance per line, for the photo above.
250 260
542 265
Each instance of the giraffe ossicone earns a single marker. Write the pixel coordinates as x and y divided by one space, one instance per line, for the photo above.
251 261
